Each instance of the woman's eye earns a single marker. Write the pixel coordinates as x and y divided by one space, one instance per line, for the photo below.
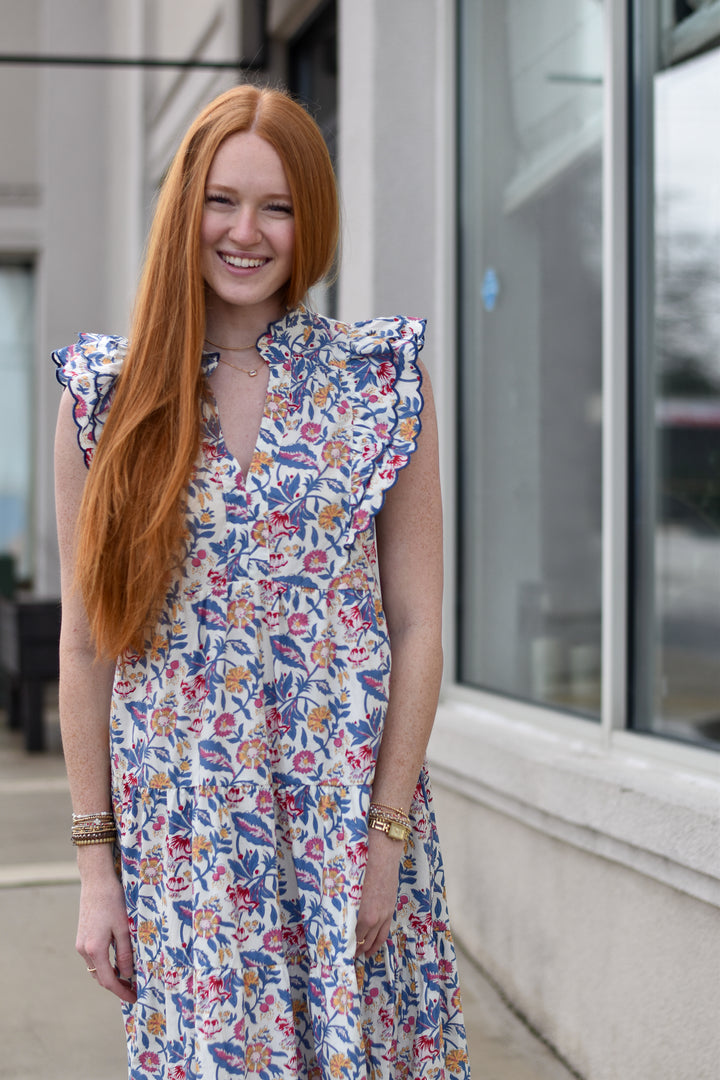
283 208
217 199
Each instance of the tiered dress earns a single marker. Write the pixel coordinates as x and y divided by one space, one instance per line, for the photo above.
243 739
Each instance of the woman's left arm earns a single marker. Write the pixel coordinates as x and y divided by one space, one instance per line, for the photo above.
409 537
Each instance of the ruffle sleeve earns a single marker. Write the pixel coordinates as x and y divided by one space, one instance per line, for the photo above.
383 359
89 369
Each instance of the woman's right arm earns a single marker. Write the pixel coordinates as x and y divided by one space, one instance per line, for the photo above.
85 694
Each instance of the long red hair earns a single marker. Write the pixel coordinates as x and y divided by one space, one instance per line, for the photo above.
130 530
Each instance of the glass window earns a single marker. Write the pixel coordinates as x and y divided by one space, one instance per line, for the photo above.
312 66
16 357
530 302
313 78
676 543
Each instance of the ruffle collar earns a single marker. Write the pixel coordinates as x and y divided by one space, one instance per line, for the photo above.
302 338
296 342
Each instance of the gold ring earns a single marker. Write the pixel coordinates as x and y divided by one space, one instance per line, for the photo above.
362 941
91 971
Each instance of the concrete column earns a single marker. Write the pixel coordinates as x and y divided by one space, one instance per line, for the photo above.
387 94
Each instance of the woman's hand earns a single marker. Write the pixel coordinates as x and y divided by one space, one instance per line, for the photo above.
379 895
103 926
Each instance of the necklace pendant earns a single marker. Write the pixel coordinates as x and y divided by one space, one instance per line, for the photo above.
252 374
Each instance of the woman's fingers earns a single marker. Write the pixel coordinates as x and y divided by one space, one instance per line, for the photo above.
104 939
379 894
124 965
103 963
369 941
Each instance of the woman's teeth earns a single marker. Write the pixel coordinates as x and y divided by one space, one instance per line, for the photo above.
243 264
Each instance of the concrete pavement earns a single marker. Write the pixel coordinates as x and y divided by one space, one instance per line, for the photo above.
57 1024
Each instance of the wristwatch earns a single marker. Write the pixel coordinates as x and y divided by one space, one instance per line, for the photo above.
389 823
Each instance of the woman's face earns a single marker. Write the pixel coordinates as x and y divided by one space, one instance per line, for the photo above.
248 230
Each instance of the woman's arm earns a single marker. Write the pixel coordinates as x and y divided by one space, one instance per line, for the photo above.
409 536
85 693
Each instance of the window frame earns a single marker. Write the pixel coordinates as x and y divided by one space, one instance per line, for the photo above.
614 733
26 574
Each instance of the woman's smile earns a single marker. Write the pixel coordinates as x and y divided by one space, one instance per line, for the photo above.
242 262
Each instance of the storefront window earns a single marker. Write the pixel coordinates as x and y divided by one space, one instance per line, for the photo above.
676 542
16 359
530 303
313 79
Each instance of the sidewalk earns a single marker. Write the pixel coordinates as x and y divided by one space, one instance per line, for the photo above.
57 1024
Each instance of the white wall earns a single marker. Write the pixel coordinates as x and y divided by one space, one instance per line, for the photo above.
388 143
126 182
619 972
18 100
73 263
585 878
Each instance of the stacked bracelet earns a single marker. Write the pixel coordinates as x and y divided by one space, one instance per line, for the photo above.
394 823
93 828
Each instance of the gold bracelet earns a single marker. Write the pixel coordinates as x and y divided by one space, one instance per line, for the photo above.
393 828
95 840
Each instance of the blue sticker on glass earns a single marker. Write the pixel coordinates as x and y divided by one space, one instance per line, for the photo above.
490 289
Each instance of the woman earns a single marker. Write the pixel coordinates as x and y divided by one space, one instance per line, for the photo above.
260 520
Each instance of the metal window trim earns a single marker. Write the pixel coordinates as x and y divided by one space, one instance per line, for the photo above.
642 446
446 328
615 358
692 35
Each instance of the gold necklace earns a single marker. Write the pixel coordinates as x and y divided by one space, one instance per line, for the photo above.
231 348
252 372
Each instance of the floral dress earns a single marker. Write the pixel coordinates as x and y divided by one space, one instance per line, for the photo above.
244 737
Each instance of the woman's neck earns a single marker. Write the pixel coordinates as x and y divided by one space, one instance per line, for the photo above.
236 327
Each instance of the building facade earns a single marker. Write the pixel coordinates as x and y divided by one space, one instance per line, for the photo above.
540 180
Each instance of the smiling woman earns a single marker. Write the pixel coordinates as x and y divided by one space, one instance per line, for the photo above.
258 531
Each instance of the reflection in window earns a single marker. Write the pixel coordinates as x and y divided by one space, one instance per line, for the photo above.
530 324
677 552
16 326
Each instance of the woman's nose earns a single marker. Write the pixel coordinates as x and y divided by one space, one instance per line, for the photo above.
244 228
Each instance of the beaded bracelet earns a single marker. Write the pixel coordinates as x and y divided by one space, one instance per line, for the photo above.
96 828
391 811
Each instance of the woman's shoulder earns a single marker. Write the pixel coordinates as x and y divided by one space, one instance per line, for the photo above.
381 337
89 369
89 357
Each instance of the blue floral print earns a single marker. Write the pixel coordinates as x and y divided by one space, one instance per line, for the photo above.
244 737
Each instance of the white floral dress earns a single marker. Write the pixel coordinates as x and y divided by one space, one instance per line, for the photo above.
243 739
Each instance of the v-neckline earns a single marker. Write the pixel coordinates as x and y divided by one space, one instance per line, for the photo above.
280 352
220 436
